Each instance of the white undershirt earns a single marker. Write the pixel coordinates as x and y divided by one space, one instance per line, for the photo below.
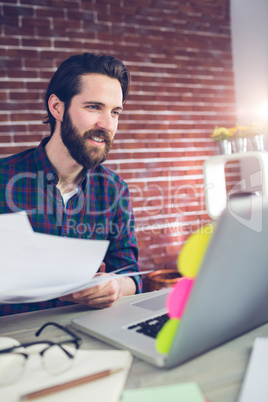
69 195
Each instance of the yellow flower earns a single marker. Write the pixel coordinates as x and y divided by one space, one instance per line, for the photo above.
220 133
223 133
246 131
232 131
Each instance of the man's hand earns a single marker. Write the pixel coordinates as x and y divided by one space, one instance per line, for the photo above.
105 294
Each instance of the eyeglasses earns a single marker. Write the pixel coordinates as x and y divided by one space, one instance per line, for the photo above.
57 357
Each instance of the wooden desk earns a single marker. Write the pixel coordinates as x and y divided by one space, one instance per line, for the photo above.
219 373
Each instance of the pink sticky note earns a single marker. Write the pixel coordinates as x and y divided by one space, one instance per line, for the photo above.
177 298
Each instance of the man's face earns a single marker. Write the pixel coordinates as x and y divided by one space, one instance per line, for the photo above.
89 125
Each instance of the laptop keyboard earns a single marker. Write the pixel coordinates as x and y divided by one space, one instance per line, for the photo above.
150 327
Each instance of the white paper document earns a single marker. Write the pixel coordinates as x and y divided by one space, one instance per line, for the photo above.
255 384
38 267
18 222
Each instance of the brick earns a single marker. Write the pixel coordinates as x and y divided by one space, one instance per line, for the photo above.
44 3
125 176
7 41
12 150
40 128
117 19
19 31
54 54
25 116
16 10
68 4
80 15
37 85
36 42
3 117
46 74
135 165
126 10
22 73
100 7
13 128
49 12
72 24
28 138
9 20
24 53
46 31
3 96
67 44
5 139
76 34
40 65
34 22
9 106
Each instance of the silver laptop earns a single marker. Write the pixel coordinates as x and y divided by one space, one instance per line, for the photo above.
229 297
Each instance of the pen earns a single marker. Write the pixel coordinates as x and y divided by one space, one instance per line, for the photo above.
69 384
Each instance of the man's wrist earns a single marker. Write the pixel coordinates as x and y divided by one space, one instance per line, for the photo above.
127 286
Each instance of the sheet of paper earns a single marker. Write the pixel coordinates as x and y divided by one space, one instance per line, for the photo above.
255 384
185 392
87 362
30 295
17 221
37 267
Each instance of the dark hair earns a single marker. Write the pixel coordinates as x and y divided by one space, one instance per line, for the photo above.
65 83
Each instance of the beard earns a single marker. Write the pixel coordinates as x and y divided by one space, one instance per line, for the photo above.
78 145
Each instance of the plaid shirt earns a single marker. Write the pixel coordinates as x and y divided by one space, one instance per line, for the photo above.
101 209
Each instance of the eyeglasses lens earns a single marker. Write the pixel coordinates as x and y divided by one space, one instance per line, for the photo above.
59 358
11 367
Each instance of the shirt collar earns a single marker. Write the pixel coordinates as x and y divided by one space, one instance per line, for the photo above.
42 163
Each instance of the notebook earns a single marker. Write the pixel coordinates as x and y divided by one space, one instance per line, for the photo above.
229 296
106 389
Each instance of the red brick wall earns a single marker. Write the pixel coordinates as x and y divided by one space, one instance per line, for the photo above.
179 55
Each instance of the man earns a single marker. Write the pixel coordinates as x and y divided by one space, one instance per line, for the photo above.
62 185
